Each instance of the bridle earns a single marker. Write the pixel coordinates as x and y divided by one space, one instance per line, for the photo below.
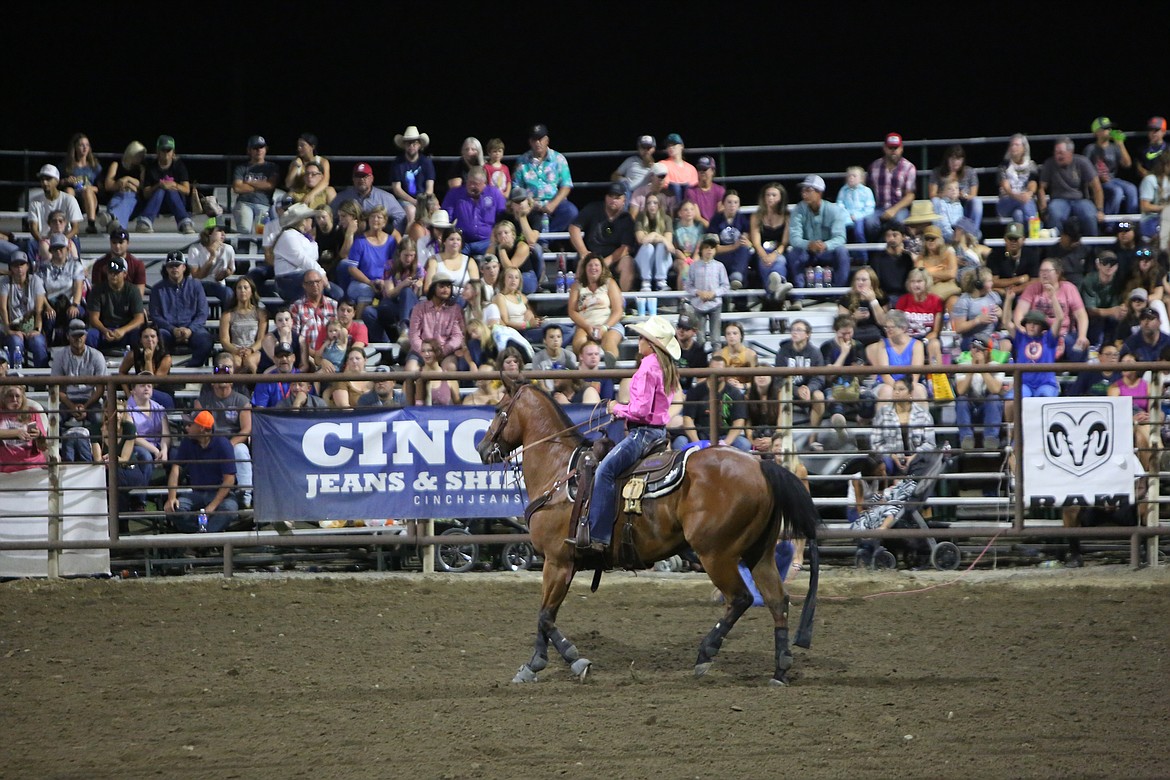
502 416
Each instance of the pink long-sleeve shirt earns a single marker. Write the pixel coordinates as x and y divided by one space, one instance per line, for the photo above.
649 404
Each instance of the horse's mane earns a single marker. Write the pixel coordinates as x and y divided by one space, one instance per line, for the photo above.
566 423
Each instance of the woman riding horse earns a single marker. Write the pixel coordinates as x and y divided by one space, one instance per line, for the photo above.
722 527
646 416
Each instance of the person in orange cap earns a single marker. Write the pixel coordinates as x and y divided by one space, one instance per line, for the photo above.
208 463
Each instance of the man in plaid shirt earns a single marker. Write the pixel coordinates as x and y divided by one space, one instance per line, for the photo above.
312 311
892 178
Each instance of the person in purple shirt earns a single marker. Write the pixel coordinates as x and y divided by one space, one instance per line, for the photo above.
651 390
474 207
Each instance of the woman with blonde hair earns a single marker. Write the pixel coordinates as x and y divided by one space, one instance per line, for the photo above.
652 229
123 180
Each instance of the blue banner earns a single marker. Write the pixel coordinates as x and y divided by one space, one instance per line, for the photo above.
380 464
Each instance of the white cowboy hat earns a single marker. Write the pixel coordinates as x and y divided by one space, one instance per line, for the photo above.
411 134
921 212
441 219
659 332
295 214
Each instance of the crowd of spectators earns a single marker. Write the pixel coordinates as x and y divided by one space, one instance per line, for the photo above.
445 267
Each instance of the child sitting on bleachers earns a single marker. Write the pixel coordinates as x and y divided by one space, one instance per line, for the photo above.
332 351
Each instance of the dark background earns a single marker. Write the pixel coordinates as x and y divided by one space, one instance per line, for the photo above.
597 74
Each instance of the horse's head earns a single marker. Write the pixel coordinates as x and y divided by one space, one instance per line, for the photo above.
505 432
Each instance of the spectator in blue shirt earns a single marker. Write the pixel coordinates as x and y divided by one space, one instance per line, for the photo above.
818 234
178 308
209 463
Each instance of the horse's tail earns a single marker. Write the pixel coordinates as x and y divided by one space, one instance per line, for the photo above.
795 515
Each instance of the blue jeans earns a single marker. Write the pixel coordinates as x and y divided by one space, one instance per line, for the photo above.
1121 197
1059 210
390 313
875 225
837 259
559 220
35 347
653 262
602 506
169 201
779 265
94 339
974 210
736 262
219 291
989 412
1010 208
186 518
246 214
200 344
477 248
121 206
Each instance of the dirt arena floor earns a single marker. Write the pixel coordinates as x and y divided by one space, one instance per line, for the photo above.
1010 673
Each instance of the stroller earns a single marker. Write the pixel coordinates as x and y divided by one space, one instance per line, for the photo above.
904 501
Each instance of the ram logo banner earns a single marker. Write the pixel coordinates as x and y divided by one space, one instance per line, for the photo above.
1077 436
380 464
1078 451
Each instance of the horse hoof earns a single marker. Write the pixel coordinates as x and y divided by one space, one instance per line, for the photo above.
580 668
778 683
525 675
702 669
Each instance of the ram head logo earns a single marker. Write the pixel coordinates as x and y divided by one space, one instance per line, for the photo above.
1077 437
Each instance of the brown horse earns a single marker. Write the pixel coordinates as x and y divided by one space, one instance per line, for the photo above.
729 507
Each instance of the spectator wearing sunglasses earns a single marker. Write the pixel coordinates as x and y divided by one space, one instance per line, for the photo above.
232 411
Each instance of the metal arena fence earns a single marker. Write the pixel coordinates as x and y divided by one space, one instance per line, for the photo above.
1004 516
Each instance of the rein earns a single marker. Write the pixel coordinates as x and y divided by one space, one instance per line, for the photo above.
594 426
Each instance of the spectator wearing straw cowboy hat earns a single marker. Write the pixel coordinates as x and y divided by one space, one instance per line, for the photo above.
646 414
411 172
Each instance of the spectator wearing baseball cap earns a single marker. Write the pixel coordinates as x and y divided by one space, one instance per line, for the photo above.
1014 264
210 466
178 309
706 194
166 186
22 301
655 185
693 351
1156 146
1109 156
51 198
253 183
893 180
1102 296
366 195
818 233
120 248
63 277
634 171
115 310
604 228
545 173
680 174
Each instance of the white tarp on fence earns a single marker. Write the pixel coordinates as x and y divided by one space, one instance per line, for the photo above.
24 516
